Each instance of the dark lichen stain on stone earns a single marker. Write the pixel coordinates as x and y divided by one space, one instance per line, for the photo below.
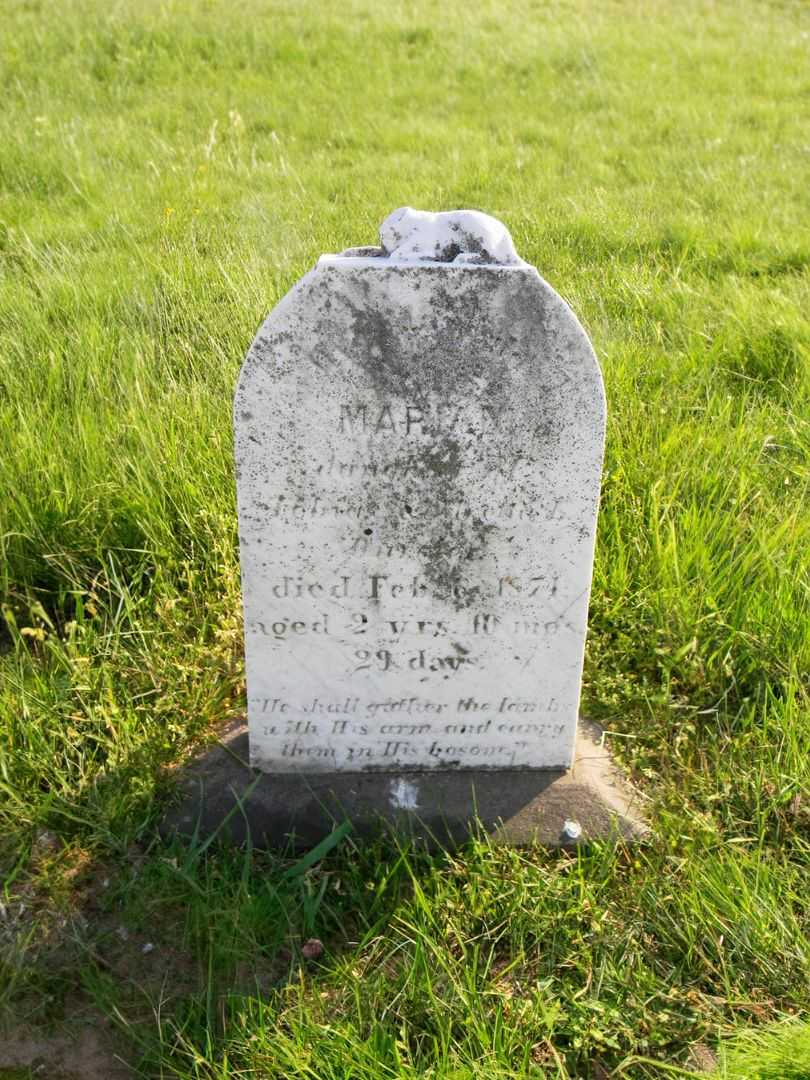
412 356
446 459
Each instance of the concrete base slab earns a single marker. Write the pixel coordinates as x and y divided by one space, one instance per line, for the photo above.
590 801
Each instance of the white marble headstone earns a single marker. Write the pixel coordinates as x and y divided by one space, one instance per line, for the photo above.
419 439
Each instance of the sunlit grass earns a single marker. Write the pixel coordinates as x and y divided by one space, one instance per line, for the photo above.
167 171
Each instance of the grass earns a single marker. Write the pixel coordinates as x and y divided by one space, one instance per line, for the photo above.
167 171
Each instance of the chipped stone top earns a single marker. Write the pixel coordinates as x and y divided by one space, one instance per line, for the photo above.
460 237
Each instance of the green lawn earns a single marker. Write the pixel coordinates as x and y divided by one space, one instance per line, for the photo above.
167 171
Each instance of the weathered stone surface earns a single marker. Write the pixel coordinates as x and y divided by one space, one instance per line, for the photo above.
419 448
459 236
221 793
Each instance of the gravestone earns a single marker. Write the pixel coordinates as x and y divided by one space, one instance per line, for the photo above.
419 437
419 434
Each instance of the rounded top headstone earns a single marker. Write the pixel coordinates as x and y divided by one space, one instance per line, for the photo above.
419 433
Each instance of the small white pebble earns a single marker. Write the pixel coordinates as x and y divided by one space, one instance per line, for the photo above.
148 947
572 830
